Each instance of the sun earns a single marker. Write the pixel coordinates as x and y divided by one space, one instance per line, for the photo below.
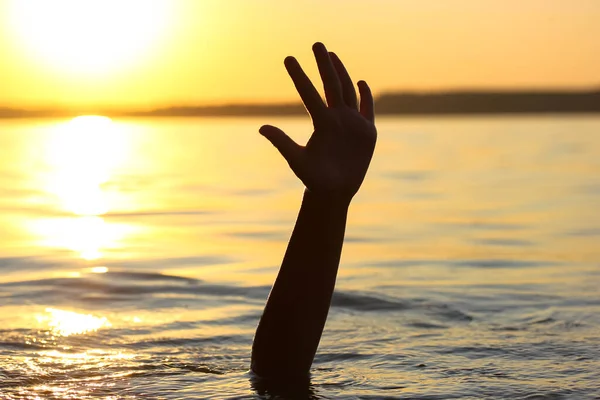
89 36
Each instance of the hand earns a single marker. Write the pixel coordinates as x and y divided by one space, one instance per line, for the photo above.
335 160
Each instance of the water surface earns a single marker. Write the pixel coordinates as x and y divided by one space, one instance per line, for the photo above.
136 257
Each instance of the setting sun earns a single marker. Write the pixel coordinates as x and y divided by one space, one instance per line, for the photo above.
92 36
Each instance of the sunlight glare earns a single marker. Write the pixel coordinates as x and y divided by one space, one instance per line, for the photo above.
66 323
81 157
87 235
91 36
99 270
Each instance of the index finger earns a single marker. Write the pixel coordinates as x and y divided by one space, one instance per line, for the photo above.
310 96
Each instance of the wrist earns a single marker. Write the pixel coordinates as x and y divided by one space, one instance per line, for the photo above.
327 201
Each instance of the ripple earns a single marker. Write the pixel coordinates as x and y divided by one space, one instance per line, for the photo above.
409 176
505 242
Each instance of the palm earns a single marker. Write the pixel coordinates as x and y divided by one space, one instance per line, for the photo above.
336 158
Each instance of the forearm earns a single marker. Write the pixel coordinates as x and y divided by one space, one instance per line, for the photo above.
291 326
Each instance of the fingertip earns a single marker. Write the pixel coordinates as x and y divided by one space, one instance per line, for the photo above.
289 60
364 88
319 47
267 130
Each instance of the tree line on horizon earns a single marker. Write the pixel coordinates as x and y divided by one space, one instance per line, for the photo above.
403 103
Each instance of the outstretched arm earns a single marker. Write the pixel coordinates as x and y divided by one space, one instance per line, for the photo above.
332 166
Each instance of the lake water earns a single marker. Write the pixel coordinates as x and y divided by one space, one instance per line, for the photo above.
136 257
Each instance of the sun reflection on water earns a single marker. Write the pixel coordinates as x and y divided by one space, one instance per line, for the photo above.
99 270
86 235
82 156
67 323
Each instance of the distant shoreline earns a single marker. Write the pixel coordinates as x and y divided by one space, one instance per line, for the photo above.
435 103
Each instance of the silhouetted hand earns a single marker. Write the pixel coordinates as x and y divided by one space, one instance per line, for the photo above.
335 160
332 165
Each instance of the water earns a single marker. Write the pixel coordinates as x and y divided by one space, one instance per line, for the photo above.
136 257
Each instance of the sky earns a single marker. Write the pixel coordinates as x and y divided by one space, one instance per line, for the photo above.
153 53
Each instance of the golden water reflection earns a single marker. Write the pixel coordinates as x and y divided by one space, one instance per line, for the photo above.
86 235
82 155
80 158
67 323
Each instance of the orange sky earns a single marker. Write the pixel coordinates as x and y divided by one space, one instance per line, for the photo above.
161 52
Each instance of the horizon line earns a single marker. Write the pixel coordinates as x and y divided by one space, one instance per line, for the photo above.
254 103
455 101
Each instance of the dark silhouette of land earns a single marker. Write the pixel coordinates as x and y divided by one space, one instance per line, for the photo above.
408 103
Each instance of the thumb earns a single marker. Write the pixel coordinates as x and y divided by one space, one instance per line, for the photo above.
289 149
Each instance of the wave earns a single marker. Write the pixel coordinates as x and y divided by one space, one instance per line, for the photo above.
156 289
468 263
